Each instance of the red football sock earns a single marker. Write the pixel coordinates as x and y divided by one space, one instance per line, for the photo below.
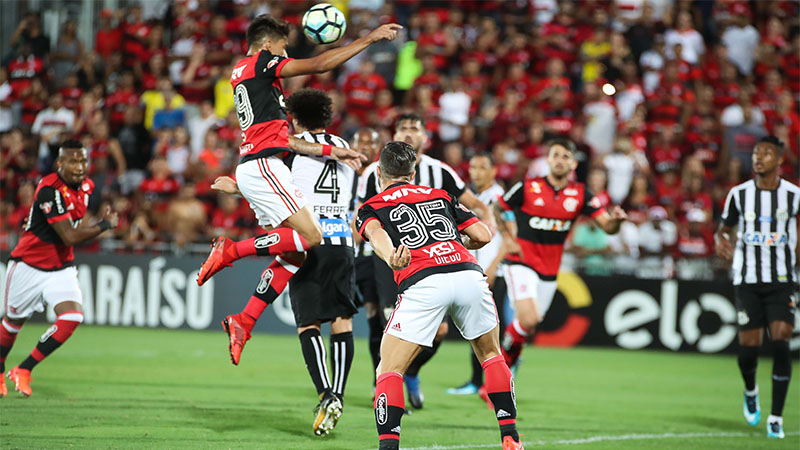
53 338
389 406
514 339
8 334
273 281
500 387
275 242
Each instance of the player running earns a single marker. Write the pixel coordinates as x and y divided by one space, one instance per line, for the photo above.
416 231
262 177
544 210
764 210
41 269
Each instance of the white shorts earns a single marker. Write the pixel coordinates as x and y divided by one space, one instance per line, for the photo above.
266 184
28 289
523 283
464 295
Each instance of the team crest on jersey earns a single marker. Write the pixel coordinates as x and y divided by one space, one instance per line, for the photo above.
298 193
46 207
85 187
263 284
595 202
571 204
267 241
272 63
381 409
750 216
782 214
536 187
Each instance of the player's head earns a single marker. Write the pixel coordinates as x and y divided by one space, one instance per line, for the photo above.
367 142
767 155
397 163
482 170
410 128
73 162
311 109
561 157
267 33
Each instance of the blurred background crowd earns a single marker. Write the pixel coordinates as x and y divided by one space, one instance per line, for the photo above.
664 98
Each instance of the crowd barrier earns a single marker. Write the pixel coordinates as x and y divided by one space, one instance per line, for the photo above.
159 291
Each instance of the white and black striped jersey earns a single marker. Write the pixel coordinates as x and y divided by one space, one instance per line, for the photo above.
430 173
767 232
488 252
327 184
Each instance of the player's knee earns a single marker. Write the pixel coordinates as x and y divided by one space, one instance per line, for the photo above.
529 321
313 236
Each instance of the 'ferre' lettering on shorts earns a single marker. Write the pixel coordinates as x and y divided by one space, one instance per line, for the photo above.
765 239
402 192
543 223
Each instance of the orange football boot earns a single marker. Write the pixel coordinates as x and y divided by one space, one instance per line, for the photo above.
510 444
22 380
222 251
237 336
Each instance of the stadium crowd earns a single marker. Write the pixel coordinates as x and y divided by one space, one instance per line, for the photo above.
665 100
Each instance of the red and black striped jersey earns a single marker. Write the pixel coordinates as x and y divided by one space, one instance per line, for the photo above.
426 220
258 96
544 216
40 245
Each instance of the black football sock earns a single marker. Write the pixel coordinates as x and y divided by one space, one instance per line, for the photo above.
314 355
781 374
375 335
423 357
748 362
477 370
342 349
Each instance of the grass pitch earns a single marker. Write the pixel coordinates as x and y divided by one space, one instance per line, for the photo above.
142 388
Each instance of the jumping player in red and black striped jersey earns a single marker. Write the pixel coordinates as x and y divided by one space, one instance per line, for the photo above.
41 270
417 231
544 210
261 176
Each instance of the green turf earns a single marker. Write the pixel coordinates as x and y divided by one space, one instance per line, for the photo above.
139 388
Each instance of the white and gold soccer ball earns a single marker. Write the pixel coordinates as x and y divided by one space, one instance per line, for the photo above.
324 23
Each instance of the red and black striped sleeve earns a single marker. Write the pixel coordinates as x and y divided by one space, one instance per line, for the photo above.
592 206
269 65
366 214
464 217
51 203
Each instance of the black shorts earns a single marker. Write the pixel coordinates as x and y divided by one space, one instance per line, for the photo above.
760 304
324 286
366 287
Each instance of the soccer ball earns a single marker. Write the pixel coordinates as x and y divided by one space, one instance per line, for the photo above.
324 23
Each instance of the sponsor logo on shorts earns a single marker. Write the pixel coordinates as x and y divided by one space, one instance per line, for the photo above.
381 413
743 318
298 193
396 327
48 333
267 241
46 207
263 285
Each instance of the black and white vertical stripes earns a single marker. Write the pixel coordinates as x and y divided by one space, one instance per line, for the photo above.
767 232
322 365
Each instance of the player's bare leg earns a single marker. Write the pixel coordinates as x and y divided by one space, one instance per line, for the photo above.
70 315
411 377
305 231
9 330
499 386
780 332
397 355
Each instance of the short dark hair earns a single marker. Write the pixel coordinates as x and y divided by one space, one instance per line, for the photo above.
398 159
265 26
409 116
311 108
779 145
563 142
486 155
70 144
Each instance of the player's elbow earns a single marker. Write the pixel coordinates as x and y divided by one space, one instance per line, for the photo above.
479 234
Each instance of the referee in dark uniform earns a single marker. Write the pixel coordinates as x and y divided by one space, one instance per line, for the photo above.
765 211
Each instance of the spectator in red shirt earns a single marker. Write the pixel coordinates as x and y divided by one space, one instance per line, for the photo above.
558 117
435 40
71 92
107 38
385 111
726 89
226 218
23 69
124 97
430 77
361 88
160 185
198 77
554 81
219 47
134 35
517 81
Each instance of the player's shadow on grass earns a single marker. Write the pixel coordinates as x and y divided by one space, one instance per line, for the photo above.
230 419
716 423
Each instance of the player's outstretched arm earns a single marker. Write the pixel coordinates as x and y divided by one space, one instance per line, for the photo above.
350 157
397 258
611 220
334 58
723 243
478 235
71 236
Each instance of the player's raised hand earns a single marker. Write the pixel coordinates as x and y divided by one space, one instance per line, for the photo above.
400 258
350 157
111 216
225 184
387 31
617 213
724 246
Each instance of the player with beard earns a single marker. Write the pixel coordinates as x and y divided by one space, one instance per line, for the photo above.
41 270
